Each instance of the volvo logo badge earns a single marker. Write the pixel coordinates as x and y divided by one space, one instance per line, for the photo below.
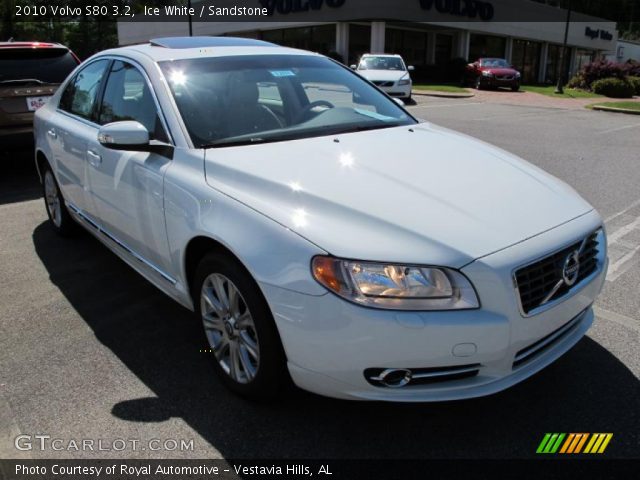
571 268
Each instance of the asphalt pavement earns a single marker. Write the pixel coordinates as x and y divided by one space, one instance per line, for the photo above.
90 350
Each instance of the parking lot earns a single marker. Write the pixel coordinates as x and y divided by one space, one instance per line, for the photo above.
90 350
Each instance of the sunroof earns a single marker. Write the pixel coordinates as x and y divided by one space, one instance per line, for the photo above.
202 42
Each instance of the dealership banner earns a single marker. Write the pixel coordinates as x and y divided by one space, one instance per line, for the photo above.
293 11
48 469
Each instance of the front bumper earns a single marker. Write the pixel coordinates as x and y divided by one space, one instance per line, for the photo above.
330 342
497 83
403 91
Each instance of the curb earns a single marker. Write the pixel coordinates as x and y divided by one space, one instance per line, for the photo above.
435 93
616 110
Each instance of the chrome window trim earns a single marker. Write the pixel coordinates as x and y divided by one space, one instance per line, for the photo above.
600 259
141 69
121 244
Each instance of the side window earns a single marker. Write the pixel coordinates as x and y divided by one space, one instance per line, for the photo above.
80 95
127 97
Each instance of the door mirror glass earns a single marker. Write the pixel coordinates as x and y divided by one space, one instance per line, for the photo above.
125 135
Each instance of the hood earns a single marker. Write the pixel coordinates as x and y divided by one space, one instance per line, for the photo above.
428 196
383 75
500 71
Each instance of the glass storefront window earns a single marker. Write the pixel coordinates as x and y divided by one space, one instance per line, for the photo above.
409 44
584 57
486 46
525 57
444 48
359 42
320 39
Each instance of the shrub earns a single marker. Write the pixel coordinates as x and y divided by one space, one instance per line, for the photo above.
632 68
598 70
613 87
635 83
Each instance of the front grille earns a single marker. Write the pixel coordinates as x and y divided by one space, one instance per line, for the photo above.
381 83
536 282
504 77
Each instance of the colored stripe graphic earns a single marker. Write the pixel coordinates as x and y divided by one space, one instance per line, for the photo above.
573 443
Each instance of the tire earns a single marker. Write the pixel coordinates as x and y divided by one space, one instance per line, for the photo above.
257 369
59 217
515 88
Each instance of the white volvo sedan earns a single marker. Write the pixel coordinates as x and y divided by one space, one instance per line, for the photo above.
318 230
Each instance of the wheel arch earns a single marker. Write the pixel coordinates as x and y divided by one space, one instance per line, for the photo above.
41 163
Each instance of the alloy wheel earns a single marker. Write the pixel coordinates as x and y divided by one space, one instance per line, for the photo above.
230 328
52 198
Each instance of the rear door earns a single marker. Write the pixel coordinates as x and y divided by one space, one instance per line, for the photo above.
28 78
71 129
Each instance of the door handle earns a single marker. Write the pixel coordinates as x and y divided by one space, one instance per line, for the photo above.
52 133
94 158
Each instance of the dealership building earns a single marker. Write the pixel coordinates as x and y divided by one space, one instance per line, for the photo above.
427 33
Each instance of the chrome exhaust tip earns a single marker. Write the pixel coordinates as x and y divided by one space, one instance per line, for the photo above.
393 377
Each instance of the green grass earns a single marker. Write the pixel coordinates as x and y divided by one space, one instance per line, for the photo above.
439 88
549 90
624 105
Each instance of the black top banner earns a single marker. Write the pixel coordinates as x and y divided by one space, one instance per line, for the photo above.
304 11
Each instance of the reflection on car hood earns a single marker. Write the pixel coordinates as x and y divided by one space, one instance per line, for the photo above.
382 75
500 71
429 196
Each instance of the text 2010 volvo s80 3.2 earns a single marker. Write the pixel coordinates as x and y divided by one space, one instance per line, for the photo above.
318 231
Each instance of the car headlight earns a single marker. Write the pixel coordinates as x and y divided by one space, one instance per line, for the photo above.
404 81
486 73
395 287
517 74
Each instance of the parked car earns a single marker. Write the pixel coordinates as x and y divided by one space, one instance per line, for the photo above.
314 226
30 72
388 72
492 73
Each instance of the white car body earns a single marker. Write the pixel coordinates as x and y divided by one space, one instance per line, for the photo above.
396 83
419 195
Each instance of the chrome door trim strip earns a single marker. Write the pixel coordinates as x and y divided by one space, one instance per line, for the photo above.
122 245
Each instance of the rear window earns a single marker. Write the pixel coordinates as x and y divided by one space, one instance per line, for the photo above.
48 65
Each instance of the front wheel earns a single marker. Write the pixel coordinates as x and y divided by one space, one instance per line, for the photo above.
239 329
478 83
515 88
57 212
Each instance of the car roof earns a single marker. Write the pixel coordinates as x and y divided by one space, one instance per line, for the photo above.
178 48
382 55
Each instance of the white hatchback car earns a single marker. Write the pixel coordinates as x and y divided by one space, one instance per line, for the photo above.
314 226
387 72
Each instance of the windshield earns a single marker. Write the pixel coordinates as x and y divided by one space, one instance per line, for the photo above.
252 99
494 62
382 63
45 65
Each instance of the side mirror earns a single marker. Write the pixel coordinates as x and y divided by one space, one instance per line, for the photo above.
131 136
411 68
353 67
125 135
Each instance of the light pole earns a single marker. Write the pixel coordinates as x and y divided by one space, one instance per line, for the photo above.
190 24
563 52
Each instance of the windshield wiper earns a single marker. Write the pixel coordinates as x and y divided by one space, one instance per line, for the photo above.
22 80
237 143
364 128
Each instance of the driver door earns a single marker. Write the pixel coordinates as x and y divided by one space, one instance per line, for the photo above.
128 186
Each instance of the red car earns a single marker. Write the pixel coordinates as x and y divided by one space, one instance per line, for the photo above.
30 72
492 73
